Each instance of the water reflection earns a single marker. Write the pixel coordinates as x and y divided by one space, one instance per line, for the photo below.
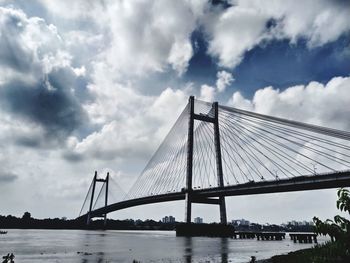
221 247
89 242
188 249
71 246
100 257
224 250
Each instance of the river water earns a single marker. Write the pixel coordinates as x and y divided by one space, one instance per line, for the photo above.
125 246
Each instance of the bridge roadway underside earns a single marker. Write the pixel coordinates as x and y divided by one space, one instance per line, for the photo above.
301 183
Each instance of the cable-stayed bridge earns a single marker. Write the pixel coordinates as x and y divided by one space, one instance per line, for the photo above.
214 151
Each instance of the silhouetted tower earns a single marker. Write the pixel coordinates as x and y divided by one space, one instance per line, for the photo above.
190 195
95 180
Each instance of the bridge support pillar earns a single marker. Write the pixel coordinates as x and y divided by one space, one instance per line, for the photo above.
223 217
188 212
92 199
188 208
106 198
106 181
189 191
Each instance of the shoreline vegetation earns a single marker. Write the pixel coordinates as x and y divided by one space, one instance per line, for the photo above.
335 251
27 222
326 253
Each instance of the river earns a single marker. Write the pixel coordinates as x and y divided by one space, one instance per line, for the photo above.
125 246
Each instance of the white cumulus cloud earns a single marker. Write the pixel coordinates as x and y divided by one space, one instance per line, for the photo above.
244 25
316 103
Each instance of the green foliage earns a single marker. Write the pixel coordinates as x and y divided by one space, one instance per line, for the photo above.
338 228
325 253
26 216
343 202
337 250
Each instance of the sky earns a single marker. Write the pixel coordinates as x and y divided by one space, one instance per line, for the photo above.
96 85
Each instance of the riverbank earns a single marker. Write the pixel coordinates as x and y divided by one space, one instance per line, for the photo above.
326 253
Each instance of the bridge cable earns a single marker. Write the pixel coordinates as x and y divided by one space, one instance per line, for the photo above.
264 138
146 181
248 154
300 145
323 130
310 149
205 163
99 195
233 158
210 153
86 197
277 151
265 155
236 151
285 131
277 127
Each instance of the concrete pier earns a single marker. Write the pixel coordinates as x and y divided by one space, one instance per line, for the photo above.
209 230
303 237
271 236
259 235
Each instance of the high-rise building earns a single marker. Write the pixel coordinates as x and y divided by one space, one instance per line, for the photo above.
198 220
168 219
240 222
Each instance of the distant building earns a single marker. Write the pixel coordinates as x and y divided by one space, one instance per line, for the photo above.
198 220
306 223
240 222
300 223
168 219
293 223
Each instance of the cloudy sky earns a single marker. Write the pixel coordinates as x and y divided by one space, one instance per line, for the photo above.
96 85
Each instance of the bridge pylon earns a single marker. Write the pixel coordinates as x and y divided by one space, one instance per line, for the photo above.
94 181
190 195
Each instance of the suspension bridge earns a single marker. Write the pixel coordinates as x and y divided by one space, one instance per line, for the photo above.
215 151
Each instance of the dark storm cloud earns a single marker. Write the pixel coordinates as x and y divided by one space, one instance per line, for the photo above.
13 53
39 87
73 157
27 141
7 177
105 155
50 103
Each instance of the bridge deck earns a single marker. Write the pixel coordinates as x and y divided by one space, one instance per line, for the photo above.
314 182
